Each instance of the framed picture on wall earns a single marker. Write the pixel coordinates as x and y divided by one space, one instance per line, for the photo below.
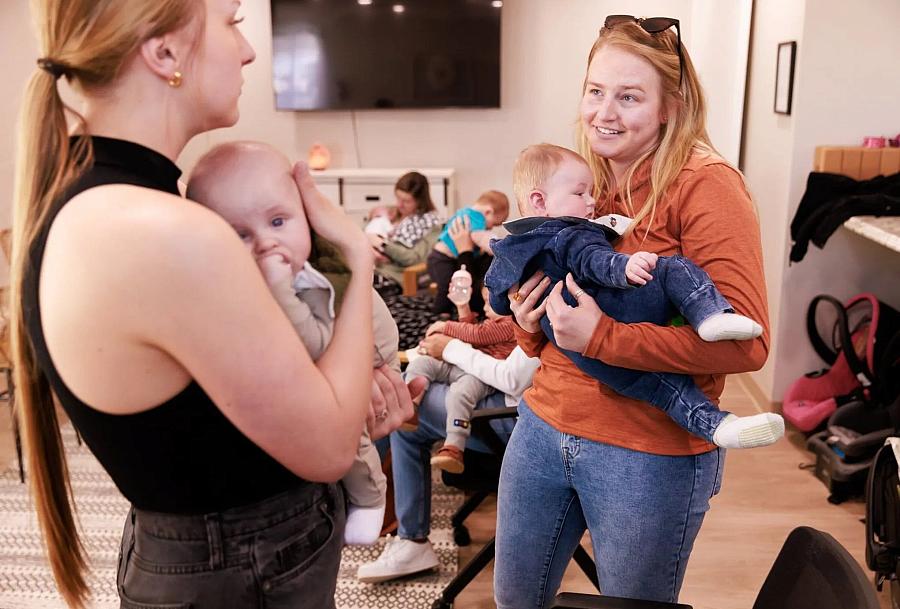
784 77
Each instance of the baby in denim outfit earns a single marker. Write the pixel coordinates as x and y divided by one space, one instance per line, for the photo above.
249 184
553 189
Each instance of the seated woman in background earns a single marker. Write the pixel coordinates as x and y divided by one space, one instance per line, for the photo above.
412 236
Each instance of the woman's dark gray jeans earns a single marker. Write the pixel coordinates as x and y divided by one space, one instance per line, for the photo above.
283 552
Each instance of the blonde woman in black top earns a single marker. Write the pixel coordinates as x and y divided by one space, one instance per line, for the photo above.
226 441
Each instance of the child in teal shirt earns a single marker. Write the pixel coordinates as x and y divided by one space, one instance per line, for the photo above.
489 210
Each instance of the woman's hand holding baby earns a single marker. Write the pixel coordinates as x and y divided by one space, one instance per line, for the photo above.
391 402
377 242
436 327
460 232
330 222
523 298
434 345
572 326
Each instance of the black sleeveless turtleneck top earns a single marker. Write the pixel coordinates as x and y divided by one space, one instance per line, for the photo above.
183 456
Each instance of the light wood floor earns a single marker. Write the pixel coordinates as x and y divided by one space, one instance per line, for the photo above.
763 497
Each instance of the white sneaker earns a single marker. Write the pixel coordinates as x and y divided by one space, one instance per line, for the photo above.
400 557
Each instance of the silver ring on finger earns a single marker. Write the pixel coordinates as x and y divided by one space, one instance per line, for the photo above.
578 294
381 416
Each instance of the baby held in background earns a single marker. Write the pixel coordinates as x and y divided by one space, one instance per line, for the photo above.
381 220
553 190
495 337
249 184
489 211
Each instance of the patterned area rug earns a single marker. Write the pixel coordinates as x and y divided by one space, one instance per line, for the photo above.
413 316
26 583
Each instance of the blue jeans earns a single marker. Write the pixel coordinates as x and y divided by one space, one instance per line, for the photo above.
558 246
411 456
643 512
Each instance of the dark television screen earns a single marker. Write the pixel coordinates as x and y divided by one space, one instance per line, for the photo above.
355 54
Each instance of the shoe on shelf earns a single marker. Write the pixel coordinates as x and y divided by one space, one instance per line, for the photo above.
400 557
449 458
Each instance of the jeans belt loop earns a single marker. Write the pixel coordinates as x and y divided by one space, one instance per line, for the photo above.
214 541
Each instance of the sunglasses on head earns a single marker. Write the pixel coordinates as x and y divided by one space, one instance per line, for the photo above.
652 25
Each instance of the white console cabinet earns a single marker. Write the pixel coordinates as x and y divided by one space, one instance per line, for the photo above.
359 190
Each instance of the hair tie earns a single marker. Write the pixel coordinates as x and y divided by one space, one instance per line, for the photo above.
52 67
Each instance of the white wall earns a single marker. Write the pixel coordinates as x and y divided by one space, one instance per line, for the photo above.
849 87
768 149
846 86
259 120
20 48
720 38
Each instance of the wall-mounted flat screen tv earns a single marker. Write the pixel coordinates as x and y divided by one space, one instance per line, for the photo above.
358 54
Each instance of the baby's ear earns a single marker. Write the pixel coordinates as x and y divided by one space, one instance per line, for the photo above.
537 202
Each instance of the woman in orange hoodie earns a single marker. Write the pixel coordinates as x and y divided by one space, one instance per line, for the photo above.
589 457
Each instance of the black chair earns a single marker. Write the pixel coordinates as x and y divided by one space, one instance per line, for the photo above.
481 478
571 600
7 395
812 571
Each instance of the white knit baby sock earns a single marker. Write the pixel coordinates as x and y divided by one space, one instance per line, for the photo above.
749 432
363 524
728 326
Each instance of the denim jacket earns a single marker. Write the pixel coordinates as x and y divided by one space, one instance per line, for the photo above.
556 246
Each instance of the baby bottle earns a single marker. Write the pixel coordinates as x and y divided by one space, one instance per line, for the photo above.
460 286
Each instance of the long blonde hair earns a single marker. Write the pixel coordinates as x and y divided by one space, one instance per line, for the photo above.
683 134
89 42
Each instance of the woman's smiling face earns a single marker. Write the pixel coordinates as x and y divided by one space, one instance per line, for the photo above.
622 107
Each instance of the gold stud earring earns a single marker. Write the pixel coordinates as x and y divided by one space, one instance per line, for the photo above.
175 81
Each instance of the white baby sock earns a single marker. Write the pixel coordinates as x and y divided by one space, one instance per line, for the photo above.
728 326
363 524
749 432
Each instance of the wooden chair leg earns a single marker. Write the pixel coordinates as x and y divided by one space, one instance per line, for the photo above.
411 278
